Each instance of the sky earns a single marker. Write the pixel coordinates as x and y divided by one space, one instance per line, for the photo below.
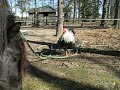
39 4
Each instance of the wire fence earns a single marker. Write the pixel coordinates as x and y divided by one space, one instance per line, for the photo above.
69 22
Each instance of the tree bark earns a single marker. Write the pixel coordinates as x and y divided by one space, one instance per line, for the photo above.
109 8
116 23
36 24
103 23
74 14
79 10
59 30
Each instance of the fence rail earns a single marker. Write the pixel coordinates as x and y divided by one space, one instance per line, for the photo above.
66 19
53 22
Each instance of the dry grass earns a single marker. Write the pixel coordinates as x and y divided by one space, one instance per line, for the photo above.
87 71
101 39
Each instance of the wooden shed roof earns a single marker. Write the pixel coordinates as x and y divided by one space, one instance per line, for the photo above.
44 9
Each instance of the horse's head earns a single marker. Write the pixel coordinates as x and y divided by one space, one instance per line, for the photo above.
16 48
13 30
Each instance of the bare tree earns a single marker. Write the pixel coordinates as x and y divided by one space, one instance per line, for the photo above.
74 14
79 7
36 24
116 23
109 8
103 23
11 5
22 5
59 30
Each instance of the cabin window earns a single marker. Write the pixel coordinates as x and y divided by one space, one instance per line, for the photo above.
45 14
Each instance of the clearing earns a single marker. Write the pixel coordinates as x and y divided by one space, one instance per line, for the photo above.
97 67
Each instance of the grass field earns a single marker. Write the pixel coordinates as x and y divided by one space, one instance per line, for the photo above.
96 67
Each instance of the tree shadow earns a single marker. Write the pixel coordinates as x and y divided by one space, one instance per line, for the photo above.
92 27
67 84
95 27
72 26
85 50
50 45
111 67
63 83
41 43
48 27
103 52
35 35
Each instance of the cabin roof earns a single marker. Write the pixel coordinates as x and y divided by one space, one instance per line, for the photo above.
44 9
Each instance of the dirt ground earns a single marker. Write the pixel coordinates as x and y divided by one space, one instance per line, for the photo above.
96 67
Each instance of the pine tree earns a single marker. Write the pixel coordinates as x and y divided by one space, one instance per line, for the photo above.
60 18
21 4
103 23
116 23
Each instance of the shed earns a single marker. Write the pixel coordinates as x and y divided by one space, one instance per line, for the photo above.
45 10
45 14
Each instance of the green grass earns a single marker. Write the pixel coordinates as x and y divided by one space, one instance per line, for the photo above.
33 83
83 76
97 79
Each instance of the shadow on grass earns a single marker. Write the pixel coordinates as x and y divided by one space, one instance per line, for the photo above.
63 83
111 67
67 84
85 50
41 43
92 27
53 45
103 52
48 27
35 35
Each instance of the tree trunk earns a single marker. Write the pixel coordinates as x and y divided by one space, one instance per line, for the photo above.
74 14
15 8
59 30
22 15
11 5
116 23
78 9
83 11
103 23
112 9
109 8
95 9
36 24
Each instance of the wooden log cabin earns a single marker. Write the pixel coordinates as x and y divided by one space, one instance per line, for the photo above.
46 15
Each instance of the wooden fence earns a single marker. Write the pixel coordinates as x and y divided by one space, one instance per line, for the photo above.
67 22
